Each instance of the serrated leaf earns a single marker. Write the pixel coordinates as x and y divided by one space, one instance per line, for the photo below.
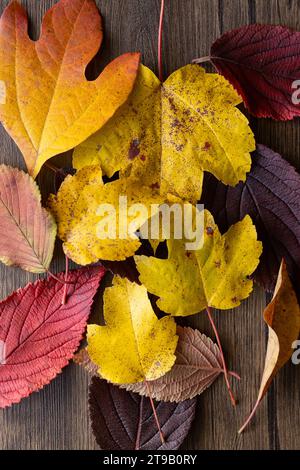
125 421
39 335
271 196
76 208
262 62
47 105
168 135
282 316
27 231
134 345
198 364
216 275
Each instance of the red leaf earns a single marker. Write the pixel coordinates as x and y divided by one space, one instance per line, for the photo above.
262 62
38 335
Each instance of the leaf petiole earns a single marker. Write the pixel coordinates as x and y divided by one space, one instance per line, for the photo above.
162 437
61 281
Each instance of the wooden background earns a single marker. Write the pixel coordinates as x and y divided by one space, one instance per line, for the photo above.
57 417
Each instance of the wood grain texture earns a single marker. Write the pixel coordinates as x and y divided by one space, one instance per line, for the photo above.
57 417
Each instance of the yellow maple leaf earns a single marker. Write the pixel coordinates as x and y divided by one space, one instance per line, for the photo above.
47 105
169 134
134 345
91 221
215 275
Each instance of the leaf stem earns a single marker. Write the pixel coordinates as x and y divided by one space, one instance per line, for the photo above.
139 430
61 281
160 31
209 313
201 60
64 297
52 167
162 437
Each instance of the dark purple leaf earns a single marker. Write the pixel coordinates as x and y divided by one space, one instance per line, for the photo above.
271 196
121 419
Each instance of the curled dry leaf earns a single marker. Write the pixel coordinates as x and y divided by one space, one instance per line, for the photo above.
124 421
282 316
262 62
47 105
38 335
271 196
82 210
134 345
82 358
198 364
27 231
168 134
215 275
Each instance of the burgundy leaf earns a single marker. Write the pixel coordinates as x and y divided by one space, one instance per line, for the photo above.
262 62
123 420
271 196
38 335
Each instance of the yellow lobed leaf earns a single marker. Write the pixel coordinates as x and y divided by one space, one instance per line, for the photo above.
76 210
169 134
215 275
47 105
282 316
134 345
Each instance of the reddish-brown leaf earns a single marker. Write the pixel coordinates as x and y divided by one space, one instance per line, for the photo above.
124 421
262 62
39 335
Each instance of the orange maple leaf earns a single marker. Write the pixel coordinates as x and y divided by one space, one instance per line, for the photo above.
46 103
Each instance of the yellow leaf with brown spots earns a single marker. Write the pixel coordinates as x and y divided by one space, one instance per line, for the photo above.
95 221
168 134
214 275
134 345
46 103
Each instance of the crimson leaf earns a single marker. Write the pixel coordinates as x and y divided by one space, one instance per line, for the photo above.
38 335
124 421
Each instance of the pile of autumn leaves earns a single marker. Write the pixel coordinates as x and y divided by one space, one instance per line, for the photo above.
159 139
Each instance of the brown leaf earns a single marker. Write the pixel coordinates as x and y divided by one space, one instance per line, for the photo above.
198 364
82 358
282 316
